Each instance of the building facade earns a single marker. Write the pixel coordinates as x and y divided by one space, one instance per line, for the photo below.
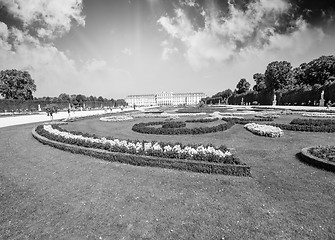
165 99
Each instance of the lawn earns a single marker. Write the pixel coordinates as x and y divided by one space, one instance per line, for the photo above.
48 193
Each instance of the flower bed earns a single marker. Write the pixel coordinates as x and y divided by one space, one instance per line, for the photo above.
264 130
147 129
118 118
319 115
319 156
203 120
174 125
198 158
323 152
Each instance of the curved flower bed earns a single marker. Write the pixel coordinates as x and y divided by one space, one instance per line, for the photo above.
264 130
323 152
319 156
198 158
147 129
118 118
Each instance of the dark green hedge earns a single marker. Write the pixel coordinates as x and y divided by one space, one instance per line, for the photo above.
173 124
203 120
313 122
145 128
247 120
305 128
152 161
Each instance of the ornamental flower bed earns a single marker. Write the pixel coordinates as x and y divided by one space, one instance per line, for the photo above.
206 153
118 118
264 130
323 152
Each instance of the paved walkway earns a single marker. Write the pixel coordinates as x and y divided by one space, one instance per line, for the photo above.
43 117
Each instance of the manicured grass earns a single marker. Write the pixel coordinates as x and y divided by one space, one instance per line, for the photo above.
50 194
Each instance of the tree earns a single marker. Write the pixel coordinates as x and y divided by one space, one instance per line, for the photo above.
278 75
260 82
319 70
63 97
120 102
224 95
15 84
242 86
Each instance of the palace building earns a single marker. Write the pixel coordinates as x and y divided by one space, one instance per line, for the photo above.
165 99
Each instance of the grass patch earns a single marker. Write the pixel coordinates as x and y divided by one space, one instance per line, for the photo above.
52 194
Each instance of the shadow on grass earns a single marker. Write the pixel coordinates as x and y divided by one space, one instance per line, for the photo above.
306 160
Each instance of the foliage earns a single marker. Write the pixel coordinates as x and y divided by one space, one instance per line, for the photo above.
147 129
173 124
313 122
278 75
242 86
203 120
197 152
260 82
323 152
15 84
317 71
264 130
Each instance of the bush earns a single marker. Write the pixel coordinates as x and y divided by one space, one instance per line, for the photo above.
313 122
145 128
203 120
173 124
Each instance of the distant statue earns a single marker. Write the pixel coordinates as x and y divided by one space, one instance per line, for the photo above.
322 94
322 100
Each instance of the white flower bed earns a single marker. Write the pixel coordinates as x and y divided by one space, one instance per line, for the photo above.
320 115
264 130
145 147
119 118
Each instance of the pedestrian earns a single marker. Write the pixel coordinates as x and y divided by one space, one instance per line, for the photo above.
69 111
329 104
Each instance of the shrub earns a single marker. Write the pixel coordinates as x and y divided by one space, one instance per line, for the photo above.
313 122
203 120
173 124
145 128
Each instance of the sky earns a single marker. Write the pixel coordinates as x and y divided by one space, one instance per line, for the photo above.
115 48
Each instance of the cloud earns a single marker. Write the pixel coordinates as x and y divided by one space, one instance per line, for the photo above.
95 65
259 27
127 51
168 50
54 18
30 48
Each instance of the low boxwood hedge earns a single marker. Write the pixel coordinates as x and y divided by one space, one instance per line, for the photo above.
313 122
247 120
202 120
145 128
141 160
173 124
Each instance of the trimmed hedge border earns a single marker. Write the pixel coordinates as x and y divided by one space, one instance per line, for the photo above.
145 128
315 161
202 120
140 160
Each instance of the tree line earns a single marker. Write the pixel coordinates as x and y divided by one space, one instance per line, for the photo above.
280 78
19 86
